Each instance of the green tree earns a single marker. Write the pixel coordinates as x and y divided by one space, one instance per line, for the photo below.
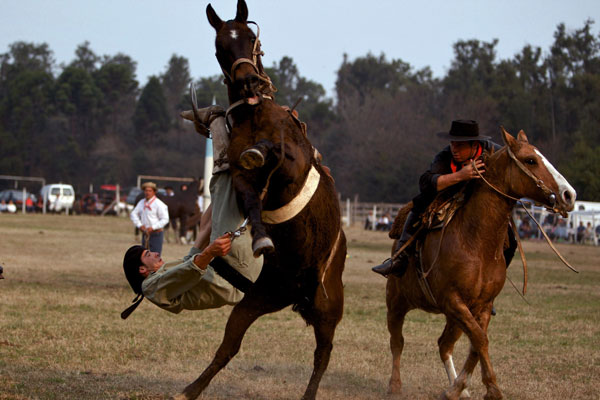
175 83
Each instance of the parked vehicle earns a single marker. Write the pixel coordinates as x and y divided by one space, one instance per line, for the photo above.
59 196
16 196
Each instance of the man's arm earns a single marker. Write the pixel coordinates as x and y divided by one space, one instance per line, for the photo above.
136 214
163 216
466 173
165 287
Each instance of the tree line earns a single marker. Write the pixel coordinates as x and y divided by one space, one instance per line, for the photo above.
90 121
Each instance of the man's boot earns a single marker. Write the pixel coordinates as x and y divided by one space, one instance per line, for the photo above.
398 265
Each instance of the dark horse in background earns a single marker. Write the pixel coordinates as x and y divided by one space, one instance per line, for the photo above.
305 248
464 264
183 209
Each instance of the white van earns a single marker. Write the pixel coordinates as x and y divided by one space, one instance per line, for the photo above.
59 196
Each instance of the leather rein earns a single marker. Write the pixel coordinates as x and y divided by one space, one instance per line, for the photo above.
547 192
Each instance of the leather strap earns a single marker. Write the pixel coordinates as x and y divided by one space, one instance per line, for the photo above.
231 275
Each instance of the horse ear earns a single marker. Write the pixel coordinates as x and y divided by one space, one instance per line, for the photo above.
213 18
242 11
522 137
507 138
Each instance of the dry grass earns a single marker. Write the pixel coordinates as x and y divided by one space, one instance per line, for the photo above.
61 336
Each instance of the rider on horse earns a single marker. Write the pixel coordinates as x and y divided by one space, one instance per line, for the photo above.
450 167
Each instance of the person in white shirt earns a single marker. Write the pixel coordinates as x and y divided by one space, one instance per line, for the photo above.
151 215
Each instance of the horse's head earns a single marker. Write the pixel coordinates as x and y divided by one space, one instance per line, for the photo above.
537 179
238 53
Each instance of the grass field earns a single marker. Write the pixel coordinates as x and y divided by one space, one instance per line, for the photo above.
61 336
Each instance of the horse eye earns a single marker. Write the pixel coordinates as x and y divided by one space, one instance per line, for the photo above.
530 161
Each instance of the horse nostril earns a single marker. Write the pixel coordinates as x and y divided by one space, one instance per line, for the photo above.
567 197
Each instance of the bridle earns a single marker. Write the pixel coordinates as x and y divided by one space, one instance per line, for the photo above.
267 87
550 195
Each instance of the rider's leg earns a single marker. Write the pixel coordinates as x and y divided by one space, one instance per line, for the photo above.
397 265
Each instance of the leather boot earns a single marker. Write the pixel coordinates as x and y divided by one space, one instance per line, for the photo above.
398 265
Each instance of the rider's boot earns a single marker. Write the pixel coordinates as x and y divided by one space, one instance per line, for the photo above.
397 265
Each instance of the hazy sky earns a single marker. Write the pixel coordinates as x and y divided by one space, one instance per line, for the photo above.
314 33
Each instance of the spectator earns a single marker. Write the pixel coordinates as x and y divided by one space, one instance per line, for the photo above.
383 224
561 230
183 187
370 221
170 191
589 233
3 206
151 215
11 207
580 232
29 204
571 233
525 230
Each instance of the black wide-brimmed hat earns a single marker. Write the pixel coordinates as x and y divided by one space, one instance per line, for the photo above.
131 264
463 130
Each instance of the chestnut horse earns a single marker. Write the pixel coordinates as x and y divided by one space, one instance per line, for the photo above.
464 262
290 201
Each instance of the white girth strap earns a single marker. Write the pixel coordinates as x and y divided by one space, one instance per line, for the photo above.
291 209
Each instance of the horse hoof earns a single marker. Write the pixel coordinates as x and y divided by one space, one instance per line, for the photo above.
251 159
263 245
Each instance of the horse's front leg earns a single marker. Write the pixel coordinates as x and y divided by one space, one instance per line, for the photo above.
241 317
476 330
397 308
446 343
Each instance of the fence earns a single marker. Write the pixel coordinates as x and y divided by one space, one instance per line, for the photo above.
358 213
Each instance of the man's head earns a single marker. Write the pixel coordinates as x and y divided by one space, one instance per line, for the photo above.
183 187
138 263
149 189
464 139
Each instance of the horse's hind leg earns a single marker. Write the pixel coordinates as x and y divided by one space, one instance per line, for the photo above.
487 372
396 311
446 343
324 332
240 319
326 314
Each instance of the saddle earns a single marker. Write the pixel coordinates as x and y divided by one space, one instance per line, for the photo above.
436 216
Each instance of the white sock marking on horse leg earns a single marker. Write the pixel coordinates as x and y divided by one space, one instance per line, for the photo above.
562 183
450 371
234 34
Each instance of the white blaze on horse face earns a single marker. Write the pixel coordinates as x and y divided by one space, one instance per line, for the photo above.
234 34
563 185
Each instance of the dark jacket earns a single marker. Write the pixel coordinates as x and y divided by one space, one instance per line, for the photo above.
439 166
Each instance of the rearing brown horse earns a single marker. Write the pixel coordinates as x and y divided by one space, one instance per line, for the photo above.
290 201
470 269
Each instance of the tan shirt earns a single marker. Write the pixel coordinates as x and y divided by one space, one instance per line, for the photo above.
181 285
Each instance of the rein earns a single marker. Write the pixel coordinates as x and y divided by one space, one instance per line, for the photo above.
539 184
